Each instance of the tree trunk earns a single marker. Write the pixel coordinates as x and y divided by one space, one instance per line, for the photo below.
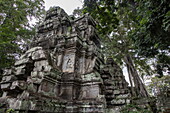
139 88
131 82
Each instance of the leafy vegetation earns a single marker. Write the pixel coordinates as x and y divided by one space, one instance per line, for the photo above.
160 86
135 33
15 27
10 111
131 108
116 22
151 35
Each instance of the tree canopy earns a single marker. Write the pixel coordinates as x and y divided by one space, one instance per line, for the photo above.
14 26
140 27
152 33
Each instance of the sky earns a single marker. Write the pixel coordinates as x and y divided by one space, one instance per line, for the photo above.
67 5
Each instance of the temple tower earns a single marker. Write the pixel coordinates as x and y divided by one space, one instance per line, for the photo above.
64 71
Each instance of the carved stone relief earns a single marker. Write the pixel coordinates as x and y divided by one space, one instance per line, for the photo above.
68 63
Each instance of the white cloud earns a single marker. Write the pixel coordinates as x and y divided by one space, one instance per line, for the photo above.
67 5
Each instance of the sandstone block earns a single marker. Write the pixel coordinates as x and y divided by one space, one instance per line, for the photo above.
7 71
21 85
23 61
39 55
5 86
8 78
34 49
116 92
118 101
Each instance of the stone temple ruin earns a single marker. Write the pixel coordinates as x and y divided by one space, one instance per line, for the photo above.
64 71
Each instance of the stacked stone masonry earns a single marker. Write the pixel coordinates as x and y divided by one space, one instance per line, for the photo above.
64 71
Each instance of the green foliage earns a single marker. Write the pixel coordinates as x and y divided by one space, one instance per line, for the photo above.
10 111
14 26
160 86
78 12
143 30
151 36
116 22
131 108
104 11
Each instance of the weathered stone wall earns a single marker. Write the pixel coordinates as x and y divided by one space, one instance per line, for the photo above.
64 71
116 88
